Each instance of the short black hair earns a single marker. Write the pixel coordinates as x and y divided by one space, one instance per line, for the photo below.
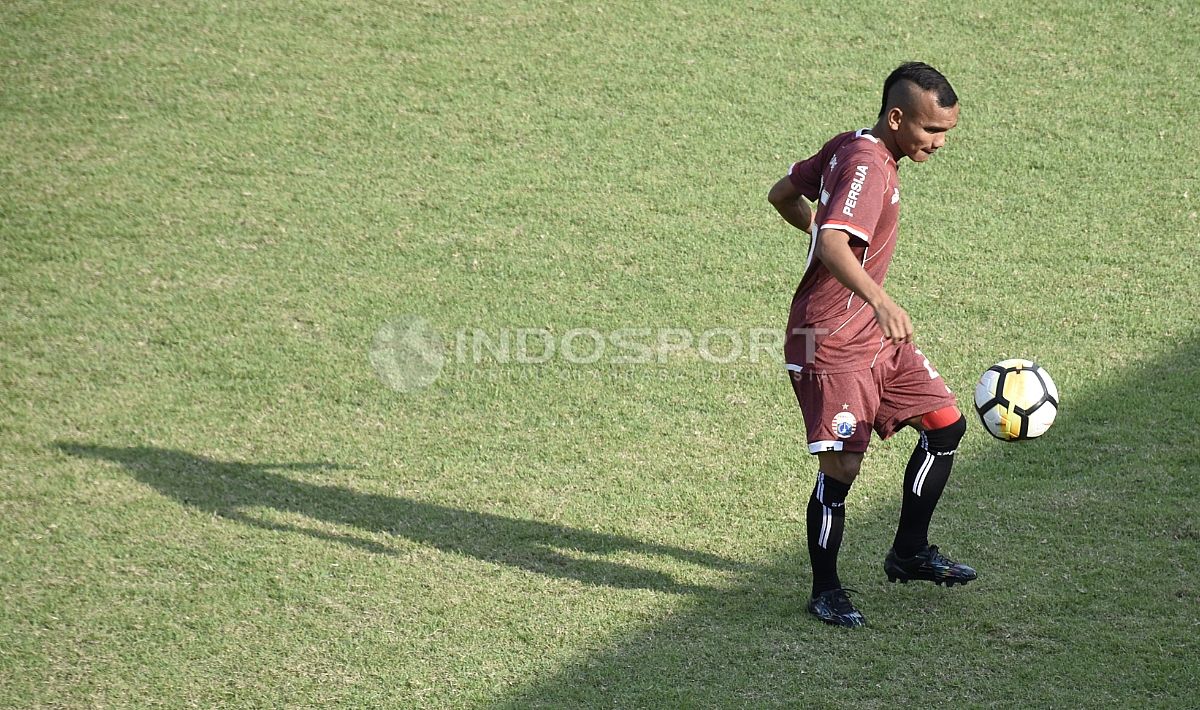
925 78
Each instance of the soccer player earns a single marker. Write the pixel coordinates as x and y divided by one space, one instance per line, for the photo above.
849 348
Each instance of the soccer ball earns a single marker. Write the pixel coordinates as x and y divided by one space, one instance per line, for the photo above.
1016 400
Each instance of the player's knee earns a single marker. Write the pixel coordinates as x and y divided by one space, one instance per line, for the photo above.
945 439
831 492
841 465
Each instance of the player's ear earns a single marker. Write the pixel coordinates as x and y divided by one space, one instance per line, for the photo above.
894 115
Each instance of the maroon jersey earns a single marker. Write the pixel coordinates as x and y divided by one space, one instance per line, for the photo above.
853 178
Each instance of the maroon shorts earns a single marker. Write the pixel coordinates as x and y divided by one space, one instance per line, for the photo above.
837 407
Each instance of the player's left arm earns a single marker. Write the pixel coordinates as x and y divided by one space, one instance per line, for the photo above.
791 204
833 250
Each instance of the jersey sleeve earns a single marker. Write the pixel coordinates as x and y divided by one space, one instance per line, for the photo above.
806 175
856 197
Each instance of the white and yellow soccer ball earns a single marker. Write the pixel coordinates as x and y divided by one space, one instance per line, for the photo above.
1016 400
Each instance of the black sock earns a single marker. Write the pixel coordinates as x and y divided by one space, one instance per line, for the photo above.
826 518
924 480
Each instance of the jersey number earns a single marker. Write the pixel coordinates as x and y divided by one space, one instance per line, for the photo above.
933 375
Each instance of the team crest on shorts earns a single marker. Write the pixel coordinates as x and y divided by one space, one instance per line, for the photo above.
844 424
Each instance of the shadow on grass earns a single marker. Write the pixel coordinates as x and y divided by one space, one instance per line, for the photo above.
230 489
1086 542
1089 559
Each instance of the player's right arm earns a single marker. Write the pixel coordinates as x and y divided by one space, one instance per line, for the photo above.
833 249
791 195
789 202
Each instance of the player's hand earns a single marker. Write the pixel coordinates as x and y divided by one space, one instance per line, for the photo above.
894 321
806 215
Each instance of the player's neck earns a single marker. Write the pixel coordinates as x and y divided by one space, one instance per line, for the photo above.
880 131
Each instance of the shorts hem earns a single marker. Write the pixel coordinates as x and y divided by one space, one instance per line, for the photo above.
813 370
827 445
897 420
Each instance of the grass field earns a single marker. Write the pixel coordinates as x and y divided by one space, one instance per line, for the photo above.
211 497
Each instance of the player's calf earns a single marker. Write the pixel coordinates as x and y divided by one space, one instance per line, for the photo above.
911 556
925 478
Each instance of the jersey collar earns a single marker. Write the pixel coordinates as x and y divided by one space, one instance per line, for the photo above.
887 154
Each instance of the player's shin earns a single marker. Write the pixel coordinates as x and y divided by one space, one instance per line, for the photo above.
826 518
924 480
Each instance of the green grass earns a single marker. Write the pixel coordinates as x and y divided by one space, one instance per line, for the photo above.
208 497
